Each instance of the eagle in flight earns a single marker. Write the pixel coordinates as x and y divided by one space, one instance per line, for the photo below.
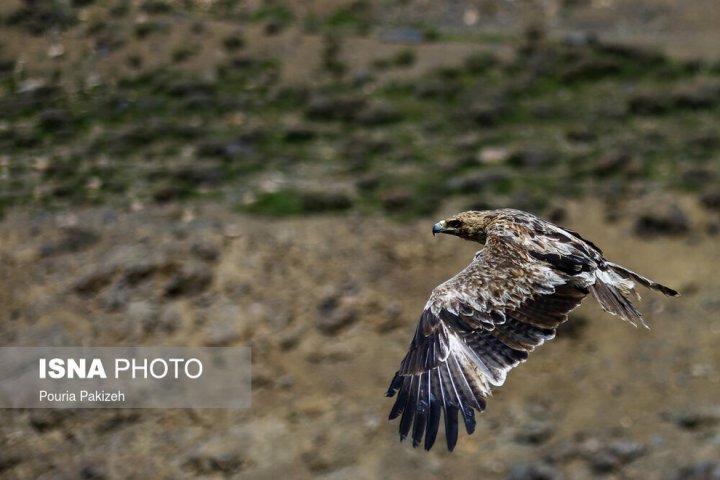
486 319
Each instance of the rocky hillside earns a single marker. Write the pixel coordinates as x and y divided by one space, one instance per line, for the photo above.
328 306
225 173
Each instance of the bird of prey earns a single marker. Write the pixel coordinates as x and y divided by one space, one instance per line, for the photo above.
486 319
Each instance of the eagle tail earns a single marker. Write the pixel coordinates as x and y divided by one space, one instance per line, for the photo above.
614 285
625 273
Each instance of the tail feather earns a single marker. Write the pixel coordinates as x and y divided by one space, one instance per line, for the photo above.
613 286
625 273
614 302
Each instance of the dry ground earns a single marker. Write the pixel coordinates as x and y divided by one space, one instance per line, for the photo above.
328 303
328 306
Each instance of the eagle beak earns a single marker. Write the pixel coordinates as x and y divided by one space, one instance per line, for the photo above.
438 228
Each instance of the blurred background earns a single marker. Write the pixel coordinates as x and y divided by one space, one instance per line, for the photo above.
267 173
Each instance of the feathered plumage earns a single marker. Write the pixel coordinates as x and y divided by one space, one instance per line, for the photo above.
486 319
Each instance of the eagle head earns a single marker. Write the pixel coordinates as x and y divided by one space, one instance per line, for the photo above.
469 225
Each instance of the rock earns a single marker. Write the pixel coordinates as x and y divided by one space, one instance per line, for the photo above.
407 35
711 200
612 162
479 63
130 139
93 471
581 134
557 215
377 113
327 453
205 173
534 433
184 87
662 219
475 182
224 149
46 420
358 149
487 113
698 419
190 280
206 251
697 177
113 298
390 319
435 88
25 137
226 325
169 192
626 450
117 420
263 376
142 316
397 200
234 42
361 78
713 226
198 102
211 148
72 240
169 320
139 269
55 120
325 107
273 27
288 340
607 457
368 183
215 456
639 55
39 17
6 66
649 103
94 279
493 155
696 97
336 313
323 201
702 142
299 134
589 68
691 97
533 471
9 460
529 158
708 470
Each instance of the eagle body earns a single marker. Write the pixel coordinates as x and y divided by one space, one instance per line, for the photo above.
485 320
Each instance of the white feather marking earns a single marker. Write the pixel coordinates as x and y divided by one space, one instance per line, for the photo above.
459 347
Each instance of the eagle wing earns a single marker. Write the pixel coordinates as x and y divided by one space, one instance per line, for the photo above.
475 328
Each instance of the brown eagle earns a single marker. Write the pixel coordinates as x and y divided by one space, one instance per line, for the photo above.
486 319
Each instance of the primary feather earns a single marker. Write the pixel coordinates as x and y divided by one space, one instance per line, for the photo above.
485 320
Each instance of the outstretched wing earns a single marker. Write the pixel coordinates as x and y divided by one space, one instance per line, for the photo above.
475 328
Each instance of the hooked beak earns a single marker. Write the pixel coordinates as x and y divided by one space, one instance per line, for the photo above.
438 228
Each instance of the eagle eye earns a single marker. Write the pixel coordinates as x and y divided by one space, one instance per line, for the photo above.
454 223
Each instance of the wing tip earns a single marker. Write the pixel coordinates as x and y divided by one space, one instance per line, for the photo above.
395 385
668 291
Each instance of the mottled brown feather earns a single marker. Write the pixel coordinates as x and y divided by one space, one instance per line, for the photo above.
485 320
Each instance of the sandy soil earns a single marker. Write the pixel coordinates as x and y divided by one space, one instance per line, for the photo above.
320 372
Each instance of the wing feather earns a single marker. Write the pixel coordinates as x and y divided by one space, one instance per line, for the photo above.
485 320
474 329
